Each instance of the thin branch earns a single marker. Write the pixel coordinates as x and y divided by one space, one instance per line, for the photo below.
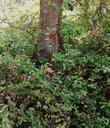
23 27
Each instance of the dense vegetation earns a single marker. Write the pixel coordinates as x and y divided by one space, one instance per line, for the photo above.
78 95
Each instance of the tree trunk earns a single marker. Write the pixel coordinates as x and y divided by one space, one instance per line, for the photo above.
50 19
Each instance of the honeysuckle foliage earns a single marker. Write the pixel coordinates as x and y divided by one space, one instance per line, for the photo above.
78 96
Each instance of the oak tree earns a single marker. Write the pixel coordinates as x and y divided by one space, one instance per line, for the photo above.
50 19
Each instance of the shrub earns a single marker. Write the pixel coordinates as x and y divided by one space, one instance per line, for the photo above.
77 97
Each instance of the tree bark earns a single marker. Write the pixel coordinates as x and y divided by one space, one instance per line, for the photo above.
50 19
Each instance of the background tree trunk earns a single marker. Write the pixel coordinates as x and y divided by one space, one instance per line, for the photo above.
50 18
